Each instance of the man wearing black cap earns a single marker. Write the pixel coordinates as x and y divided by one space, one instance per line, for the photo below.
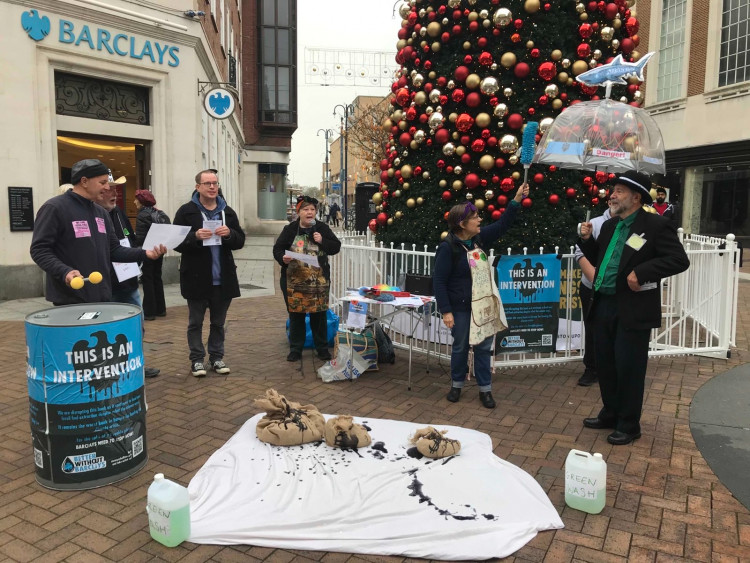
633 252
74 236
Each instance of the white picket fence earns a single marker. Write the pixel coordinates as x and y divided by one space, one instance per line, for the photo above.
699 306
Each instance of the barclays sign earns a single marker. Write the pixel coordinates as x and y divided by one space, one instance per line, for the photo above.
98 39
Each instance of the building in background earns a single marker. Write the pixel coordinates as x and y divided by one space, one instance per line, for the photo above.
698 90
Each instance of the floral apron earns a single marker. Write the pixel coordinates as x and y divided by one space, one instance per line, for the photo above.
487 313
306 287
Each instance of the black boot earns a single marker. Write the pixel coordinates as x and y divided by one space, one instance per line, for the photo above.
487 401
454 394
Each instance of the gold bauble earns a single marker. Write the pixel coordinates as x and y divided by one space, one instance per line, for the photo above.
479 203
378 208
390 220
420 98
635 55
531 6
406 171
399 214
633 80
513 159
556 55
466 45
460 150
452 117
387 124
413 145
406 185
400 44
410 203
432 75
403 125
426 174
435 46
562 78
434 29
486 162
420 200
483 119
570 82
629 143
377 198
508 144
397 115
579 66
455 135
443 183
443 235
473 81
617 23
529 44
396 193
473 16
457 185
508 59
583 17
391 172
516 175
557 103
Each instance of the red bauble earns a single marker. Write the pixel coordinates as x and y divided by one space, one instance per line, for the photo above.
534 53
585 30
531 111
477 145
445 215
447 195
538 177
583 50
456 30
445 37
543 100
464 122
382 219
471 181
373 225
515 121
442 135
502 200
485 58
632 25
486 133
496 214
468 59
516 38
601 176
499 163
473 99
465 139
404 139
627 45
547 70
442 81
554 199
570 192
553 168
411 113
521 70
461 73
482 42
492 142
417 170
402 97
507 184
465 158
587 181
610 11
384 164
384 176
526 202
457 95
490 208
595 200
440 163
473 26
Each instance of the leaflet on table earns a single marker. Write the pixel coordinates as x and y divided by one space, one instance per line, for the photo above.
306 258
413 301
168 235
357 317
126 270
212 225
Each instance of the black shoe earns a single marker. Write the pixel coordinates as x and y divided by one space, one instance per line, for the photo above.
454 394
588 378
294 356
618 438
487 401
597 423
150 318
324 355
150 372
162 314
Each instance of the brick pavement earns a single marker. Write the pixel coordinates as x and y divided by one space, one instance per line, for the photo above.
663 501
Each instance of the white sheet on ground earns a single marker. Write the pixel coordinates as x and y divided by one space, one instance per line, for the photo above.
377 500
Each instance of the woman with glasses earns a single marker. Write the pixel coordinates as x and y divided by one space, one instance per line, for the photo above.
466 294
306 287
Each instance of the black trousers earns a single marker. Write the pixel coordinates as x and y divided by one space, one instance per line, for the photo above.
218 307
153 288
589 356
621 360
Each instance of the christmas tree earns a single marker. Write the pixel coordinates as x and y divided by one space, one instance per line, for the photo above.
473 73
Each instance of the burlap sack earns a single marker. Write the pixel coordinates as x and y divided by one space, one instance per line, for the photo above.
342 432
433 443
287 423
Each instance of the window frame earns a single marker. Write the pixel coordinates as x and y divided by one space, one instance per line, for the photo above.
273 115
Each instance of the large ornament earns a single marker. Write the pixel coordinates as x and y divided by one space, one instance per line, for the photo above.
449 149
500 111
545 124
483 120
436 120
547 70
489 85
501 17
509 144
508 59
464 122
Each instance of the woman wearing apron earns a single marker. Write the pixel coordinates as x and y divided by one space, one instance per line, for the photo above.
466 293
304 286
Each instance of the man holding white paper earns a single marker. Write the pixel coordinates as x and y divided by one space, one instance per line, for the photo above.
208 275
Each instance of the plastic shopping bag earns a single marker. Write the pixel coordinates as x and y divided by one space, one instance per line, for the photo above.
348 364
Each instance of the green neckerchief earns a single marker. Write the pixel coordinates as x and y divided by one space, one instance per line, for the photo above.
606 280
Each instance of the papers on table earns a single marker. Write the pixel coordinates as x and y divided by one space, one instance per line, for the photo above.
412 301
168 235
126 270
306 258
211 225
357 317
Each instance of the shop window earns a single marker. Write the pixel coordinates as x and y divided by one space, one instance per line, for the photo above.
673 17
277 61
272 193
725 203
734 57
85 96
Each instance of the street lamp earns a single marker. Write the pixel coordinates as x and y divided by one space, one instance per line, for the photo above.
348 110
328 133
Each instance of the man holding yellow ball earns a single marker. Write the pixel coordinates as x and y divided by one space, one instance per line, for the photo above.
74 240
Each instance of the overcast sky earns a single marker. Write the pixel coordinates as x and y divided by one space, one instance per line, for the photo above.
344 26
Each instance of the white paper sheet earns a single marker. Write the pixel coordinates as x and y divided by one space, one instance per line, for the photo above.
212 225
306 258
126 270
168 235
377 500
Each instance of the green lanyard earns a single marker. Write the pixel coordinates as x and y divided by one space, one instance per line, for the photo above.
608 255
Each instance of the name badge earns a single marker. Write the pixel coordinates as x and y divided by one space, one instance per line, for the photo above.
81 229
636 242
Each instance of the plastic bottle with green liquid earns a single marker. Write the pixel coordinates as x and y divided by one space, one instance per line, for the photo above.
168 511
585 481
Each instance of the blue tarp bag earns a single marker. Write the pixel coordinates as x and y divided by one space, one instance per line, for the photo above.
332 326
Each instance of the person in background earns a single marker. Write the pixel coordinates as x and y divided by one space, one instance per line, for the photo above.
125 291
73 234
334 212
306 288
208 274
589 376
472 311
154 304
64 188
635 250
662 207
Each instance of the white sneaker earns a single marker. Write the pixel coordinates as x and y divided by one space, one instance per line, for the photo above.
220 367
198 369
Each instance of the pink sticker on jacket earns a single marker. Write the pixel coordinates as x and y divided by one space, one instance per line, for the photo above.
81 229
100 225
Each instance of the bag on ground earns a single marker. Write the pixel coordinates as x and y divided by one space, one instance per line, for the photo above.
343 432
348 364
433 443
386 352
363 343
287 423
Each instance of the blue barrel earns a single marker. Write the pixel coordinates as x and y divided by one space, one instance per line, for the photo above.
86 394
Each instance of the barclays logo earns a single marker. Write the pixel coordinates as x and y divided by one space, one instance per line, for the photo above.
38 27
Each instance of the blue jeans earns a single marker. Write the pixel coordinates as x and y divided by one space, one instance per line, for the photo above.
131 296
460 354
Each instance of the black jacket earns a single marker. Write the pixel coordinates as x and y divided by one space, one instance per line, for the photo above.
195 265
121 224
147 216
661 256
330 245
74 233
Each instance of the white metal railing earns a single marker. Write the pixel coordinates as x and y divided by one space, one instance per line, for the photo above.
699 305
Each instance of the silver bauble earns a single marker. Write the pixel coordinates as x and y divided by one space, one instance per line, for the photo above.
396 162
489 194
428 110
451 84
489 85
457 169
423 32
508 144
602 193
580 8
484 14
545 124
507 92
615 44
607 33
513 159
404 10
469 195
493 66
502 17
624 99
419 136
454 3
435 96
422 13
551 91
417 80
449 149
500 111
565 63
435 120
597 54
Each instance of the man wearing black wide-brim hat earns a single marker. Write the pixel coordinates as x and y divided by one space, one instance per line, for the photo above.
635 250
